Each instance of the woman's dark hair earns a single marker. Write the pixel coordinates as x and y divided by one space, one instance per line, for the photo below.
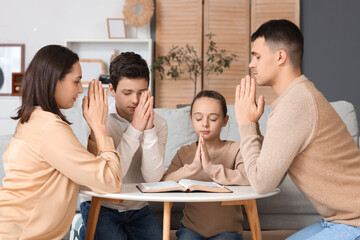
129 65
49 65
211 94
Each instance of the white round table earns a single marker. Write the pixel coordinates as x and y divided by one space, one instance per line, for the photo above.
241 195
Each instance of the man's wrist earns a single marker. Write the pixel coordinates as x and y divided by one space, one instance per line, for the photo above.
149 127
133 132
139 128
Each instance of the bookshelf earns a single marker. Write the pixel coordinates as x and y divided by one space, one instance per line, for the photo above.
103 49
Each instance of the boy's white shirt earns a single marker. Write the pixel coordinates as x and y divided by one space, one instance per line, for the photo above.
141 154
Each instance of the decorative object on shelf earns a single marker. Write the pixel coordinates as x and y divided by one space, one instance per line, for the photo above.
180 60
91 69
137 13
116 28
116 53
17 79
11 61
104 78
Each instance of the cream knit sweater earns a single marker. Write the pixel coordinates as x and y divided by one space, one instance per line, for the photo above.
307 139
227 168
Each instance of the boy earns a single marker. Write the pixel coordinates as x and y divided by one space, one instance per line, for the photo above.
139 136
305 137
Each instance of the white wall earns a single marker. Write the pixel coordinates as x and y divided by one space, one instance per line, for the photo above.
37 23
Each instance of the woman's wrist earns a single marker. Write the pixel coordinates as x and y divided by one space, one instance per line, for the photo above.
100 131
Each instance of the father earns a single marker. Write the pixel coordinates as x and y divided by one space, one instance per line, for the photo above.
305 137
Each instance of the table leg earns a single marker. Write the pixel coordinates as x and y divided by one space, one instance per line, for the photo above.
94 215
252 214
166 220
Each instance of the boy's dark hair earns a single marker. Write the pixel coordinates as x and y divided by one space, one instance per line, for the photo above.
211 94
129 65
282 34
49 65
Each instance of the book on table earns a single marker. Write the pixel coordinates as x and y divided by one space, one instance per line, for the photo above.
184 185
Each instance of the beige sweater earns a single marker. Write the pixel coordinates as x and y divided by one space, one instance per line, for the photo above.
307 139
45 164
227 168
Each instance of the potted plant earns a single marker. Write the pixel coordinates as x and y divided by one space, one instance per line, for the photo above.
180 60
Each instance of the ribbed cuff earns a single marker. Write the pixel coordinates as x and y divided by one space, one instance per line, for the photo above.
149 134
92 147
248 129
133 133
210 169
105 144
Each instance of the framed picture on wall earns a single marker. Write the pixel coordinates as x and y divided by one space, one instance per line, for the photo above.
116 28
11 61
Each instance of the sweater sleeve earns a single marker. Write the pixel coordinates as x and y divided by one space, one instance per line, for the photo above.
128 146
62 150
178 170
228 176
289 130
153 151
91 147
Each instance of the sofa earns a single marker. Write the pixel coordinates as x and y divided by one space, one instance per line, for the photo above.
288 210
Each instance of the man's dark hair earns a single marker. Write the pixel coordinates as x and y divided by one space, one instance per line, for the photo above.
129 65
49 65
282 34
211 94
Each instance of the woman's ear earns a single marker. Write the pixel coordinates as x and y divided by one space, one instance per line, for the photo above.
112 90
226 119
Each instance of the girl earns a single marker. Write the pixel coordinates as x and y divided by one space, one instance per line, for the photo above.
44 162
211 159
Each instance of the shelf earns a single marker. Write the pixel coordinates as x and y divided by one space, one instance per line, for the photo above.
104 48
128 40
86 85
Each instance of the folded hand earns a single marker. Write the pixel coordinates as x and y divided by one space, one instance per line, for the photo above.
246 108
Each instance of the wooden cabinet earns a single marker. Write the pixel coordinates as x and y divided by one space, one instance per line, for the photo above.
177 23
232 22
229 20
17 80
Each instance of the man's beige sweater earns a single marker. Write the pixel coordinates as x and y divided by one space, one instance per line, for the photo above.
227 168
307 139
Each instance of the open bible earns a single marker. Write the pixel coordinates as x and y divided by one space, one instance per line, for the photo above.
184 185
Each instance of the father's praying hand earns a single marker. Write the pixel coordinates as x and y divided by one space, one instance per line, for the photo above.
246 108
